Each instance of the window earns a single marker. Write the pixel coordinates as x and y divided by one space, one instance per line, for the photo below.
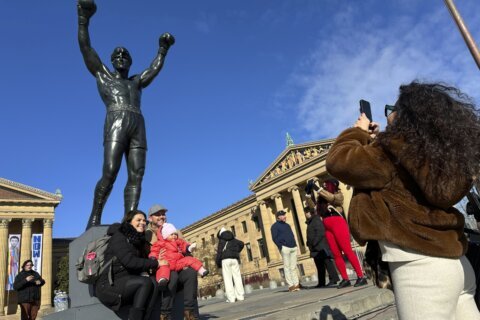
204 243
249 252
233 231
244 226
212 238
261 247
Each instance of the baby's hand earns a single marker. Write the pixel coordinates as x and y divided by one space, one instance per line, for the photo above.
192 246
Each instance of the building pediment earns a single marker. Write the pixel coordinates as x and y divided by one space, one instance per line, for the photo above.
11 191
293 158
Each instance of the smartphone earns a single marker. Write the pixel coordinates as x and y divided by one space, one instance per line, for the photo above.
365 108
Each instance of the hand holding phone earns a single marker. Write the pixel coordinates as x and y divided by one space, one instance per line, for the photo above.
365 108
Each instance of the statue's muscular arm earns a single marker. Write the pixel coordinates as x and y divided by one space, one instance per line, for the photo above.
90 56
146 77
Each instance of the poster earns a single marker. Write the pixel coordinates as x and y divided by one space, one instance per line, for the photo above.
13 258
37 252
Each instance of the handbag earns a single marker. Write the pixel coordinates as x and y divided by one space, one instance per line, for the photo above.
380 271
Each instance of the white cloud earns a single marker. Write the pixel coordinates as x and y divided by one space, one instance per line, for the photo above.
371 61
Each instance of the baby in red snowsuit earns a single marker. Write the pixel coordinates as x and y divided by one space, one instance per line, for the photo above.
175 251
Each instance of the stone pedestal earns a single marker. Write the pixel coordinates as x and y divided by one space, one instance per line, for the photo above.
83 304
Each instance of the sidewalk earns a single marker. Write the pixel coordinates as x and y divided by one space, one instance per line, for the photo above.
311 303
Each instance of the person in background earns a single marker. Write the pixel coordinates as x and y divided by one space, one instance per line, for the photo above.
27 283
319 249
282 236
228 257
407 180
329 206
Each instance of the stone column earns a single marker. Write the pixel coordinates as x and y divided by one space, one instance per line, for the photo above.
26 247
277 197
46 298
297 200
252 236
267 222
279 206
3 261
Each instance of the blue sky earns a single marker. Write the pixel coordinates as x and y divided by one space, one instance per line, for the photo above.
241 75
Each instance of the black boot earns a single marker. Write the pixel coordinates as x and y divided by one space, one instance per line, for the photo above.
343 284
360 282
135 314
99 200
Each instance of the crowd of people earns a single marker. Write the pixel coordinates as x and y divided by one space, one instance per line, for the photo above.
406 181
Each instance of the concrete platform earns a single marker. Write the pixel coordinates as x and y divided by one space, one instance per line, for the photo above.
310 303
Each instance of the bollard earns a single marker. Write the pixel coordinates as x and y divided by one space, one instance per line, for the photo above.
273 284
248 289
219 294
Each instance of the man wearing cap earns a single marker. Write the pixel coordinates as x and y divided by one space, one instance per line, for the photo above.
156 217
282 236
186 278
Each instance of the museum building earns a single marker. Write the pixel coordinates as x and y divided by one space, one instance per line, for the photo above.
26 220
280 187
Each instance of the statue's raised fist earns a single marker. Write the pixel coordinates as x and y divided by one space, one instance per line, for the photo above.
166 40
86 8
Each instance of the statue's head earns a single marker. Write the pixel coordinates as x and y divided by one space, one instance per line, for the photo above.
121 59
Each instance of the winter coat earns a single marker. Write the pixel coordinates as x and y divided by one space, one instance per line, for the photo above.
228 247
131 258
28 291
316 241
282 235
174 250
396 202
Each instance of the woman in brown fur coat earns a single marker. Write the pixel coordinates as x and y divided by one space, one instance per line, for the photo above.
406 181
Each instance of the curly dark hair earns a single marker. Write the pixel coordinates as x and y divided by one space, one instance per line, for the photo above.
441 127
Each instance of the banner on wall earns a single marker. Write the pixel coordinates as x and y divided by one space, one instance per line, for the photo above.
13 259
37 252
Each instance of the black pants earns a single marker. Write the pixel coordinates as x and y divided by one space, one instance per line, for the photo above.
186 279
321 263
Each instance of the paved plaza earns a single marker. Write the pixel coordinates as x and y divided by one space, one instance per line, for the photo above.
366 302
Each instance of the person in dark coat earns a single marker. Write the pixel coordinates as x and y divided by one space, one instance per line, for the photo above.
130 269
319 249
228 256
27 283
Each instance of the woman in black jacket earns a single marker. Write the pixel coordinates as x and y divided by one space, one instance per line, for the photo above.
27 283
126 281
319 249
228 256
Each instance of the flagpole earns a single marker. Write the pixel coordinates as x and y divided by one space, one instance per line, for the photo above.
464 31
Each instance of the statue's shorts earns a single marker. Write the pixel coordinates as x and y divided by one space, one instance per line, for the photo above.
126 127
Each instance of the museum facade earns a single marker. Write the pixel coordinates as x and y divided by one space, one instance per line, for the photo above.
26 220
280 187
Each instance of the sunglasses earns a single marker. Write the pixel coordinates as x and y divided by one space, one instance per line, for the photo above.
389 110
161 214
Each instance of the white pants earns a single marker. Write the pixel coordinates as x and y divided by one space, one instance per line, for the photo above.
233 280
289 257
434 288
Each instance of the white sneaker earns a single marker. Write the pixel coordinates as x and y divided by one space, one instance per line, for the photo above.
228 301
